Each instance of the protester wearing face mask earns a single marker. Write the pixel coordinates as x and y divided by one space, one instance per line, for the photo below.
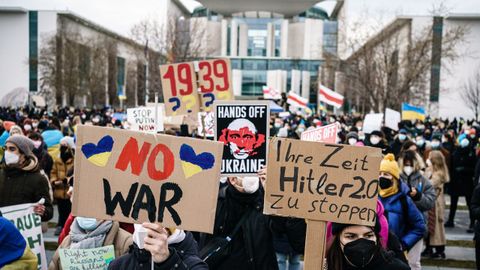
45 161
463 164
400 139
404 218
421 144
58 178
240 216
436 144
87 233
155 247
377 140
20 178
359 247
353 139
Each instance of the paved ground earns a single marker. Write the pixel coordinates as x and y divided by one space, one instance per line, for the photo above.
456 255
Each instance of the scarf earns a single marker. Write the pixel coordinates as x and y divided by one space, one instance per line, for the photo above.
384 193
82 239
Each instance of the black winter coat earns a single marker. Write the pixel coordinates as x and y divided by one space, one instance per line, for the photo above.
18 186
475 209
252 247
381 261
183 255
463 165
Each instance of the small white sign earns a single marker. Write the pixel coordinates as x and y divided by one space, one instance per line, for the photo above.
143 119
372 121
392 118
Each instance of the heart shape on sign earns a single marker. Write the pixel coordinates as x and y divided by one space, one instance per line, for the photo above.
100 153
193 163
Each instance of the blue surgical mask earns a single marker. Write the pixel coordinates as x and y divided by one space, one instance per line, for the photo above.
464 143
435 144
87 224
402 137
420 142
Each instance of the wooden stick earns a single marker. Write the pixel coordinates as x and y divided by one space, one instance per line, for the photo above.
315 245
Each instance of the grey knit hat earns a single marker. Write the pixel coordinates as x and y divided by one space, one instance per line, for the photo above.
24 144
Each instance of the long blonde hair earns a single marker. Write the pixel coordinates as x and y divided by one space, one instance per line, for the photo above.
439 165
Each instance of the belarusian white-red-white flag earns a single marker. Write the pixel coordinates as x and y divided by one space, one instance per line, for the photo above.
296 100
329 96
271 93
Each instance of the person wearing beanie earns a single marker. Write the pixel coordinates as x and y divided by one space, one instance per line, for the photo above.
353 139
397 144
377 140
21 180
404 218
58 179
360 247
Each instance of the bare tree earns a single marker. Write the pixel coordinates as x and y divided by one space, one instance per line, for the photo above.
394 66
470 93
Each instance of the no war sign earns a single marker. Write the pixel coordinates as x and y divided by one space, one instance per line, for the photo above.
139 177
325 182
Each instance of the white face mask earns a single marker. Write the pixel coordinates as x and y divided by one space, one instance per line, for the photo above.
374 140
37 144
27 127
352 141
408 170
11 158
250 184
34 124
464 143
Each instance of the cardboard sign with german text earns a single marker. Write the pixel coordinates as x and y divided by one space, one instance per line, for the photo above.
325 182
137 177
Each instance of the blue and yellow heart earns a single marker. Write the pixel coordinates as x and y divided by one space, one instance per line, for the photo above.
193 163
99 153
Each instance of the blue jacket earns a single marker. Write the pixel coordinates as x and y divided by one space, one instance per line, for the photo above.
408 231
12 244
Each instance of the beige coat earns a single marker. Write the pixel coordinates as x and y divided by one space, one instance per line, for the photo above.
438 238
120 239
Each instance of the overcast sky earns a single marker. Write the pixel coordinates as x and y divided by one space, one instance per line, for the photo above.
120 15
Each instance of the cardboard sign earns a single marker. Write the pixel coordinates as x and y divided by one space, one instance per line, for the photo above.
179 89
392 118
243 128
206 127
214 81
30 226
137 177
92 258
326 134
318 181
143 119
373 121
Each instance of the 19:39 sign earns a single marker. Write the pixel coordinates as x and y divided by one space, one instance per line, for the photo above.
180 84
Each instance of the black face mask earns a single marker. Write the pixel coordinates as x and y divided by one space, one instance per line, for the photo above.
360 252
385 183
65 153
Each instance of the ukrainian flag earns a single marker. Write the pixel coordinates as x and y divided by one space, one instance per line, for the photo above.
410 112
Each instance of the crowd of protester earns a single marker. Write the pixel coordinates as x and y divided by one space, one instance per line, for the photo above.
422 161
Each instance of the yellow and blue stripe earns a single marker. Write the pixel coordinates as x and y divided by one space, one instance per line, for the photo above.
410 112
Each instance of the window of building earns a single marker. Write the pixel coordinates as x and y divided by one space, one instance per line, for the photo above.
33 50
330 33
120 76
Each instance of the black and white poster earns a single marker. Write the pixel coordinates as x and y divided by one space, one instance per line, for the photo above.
243 128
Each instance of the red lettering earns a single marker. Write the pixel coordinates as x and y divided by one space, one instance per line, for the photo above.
168 162
131 155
